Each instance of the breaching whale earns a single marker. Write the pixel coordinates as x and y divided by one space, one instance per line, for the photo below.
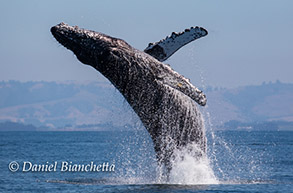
164 100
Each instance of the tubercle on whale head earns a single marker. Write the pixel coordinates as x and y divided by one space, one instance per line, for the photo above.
90 47
203 100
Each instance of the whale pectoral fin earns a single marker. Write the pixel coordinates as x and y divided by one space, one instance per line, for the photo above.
188 89
191 91
163 49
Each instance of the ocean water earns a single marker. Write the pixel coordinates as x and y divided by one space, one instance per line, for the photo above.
238 161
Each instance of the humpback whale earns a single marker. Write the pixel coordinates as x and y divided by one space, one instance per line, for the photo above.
165 101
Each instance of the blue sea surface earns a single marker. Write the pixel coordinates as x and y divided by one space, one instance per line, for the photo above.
243 161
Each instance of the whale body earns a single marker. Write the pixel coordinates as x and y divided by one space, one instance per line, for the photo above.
164 100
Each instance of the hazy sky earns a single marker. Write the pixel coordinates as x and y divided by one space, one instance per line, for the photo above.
249 41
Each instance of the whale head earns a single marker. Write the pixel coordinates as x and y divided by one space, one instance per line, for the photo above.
90 47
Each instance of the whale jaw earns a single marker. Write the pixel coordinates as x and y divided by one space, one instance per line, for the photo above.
90 47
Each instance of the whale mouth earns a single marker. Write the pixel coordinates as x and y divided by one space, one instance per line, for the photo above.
87 45
66 35
64 29
58 31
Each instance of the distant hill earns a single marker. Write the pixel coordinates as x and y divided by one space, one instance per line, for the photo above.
51 105
266 102
94 105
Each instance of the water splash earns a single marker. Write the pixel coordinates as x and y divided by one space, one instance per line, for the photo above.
138 164
233 159
191 166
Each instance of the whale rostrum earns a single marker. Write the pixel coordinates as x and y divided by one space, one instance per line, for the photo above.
164 100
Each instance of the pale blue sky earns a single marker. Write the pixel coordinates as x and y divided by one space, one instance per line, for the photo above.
249 41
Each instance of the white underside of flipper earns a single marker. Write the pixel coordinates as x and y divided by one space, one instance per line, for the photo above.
163 49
